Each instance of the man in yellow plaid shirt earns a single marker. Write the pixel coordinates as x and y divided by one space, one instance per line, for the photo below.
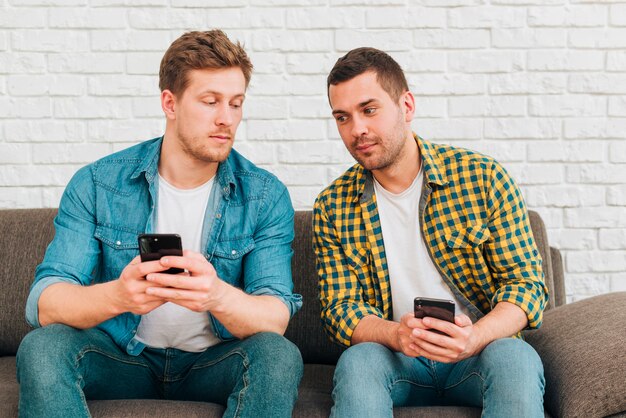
417 219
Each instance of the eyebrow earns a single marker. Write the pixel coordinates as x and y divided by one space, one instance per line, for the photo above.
217 93
360 105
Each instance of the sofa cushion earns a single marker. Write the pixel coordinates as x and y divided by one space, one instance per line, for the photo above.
579 344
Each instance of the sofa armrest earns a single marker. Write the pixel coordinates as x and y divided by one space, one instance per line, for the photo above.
582 345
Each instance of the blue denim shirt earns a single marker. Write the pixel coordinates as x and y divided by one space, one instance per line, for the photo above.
247 231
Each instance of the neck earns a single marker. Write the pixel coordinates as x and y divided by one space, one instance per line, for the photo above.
182 170
399 176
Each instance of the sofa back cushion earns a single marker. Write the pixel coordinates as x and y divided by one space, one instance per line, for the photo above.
24 237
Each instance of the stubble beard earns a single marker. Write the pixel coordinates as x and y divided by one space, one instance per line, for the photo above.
390 150
201 150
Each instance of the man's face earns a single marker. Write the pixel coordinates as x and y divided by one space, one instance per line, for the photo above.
207 113
372 125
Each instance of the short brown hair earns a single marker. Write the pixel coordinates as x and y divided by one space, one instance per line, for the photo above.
389 74
197 51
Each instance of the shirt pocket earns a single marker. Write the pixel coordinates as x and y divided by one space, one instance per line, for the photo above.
228 259
472 236
119 247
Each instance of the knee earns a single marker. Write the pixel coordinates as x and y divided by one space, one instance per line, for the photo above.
279 358
44 348
363 362
513 360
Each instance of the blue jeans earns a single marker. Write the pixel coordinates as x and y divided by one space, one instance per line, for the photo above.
506 380
59 367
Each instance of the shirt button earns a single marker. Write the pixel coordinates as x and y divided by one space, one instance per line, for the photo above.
118 242
233 252
218 216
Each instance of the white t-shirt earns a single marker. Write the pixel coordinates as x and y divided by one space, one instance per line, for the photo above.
411 270
179 211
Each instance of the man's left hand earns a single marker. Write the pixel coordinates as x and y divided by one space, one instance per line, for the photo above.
198 289
459 340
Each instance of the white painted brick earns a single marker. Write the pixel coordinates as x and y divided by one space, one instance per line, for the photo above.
616 60
19 63
437 129
551 60
4 41
3 86
487 106
597 83
552 217
430 38
466 38
609 217
147 40
40 175
616 195
29 85
129 85
529 38
402 17
306 107
299 175
584 284
278 130
302 197
22 18
593 128
446 84
529 83
313 63
88 63
618 15
570 105
618 282
20 198
597 261
289 3
430 107
126 130
128 3
68 85
92 107
334 172
45 131
522 128
487 17
534 174
27 107
147 107
486 62
267 62
570 16
268 85
313 152
307 85
324 18
421 61
564 196
64 18
49 40
69 153
48 2
617 152
566 151
501 151
144 63
597 38
612 239
527 2
15 153
168 18
266 108
446 3
573 239
263 18
214 3
51 196
293 41
386 40
596 173
257 152
363 2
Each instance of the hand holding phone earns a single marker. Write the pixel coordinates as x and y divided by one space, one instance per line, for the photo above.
154 246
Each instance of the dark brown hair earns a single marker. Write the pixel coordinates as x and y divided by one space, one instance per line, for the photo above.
360 60
197 51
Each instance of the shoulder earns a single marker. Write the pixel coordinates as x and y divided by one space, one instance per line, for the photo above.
344 188
251 179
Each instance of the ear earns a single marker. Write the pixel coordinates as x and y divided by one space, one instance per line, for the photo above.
407 101
168 104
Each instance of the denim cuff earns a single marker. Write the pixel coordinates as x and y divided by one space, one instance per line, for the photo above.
32 303
293 301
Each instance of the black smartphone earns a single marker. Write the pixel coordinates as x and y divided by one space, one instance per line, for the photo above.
154 246
434 308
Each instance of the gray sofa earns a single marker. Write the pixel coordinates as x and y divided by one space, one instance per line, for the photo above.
582 344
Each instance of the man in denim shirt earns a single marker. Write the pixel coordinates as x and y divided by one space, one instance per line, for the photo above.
112 327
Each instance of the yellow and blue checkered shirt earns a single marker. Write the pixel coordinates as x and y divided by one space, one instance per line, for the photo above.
474 223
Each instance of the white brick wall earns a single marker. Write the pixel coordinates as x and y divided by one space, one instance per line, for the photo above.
538 84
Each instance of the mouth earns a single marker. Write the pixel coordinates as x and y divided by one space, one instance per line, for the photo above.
365 147
221 138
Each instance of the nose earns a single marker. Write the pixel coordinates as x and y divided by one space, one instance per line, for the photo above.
359 127
224 115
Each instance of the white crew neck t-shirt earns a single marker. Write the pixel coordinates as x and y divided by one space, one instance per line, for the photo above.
179 211
411 270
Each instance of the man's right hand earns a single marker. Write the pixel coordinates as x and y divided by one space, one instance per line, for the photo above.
129 291
404 341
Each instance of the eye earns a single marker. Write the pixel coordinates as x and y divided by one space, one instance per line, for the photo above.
235 105
341 118
369 110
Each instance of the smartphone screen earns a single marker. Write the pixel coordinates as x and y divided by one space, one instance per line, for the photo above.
434 308
154 246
